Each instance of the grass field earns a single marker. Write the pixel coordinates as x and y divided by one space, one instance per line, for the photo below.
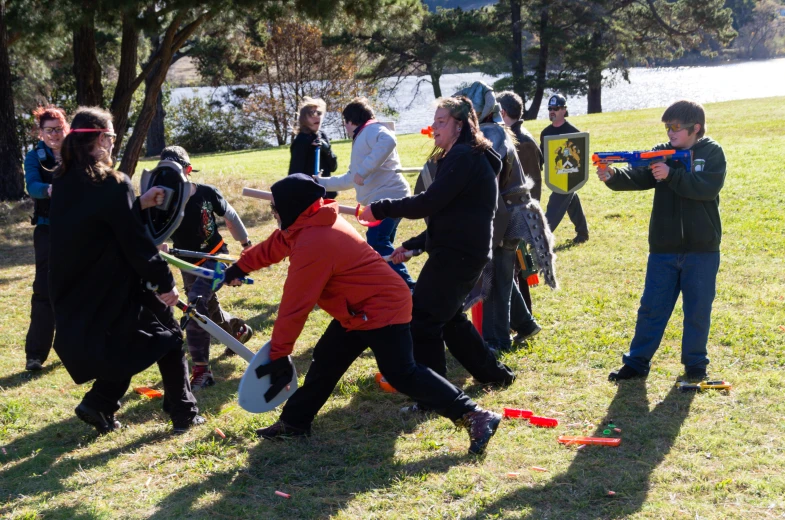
682 455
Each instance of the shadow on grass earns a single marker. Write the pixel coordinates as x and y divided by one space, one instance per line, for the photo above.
37 464
582 491
23 376
352 451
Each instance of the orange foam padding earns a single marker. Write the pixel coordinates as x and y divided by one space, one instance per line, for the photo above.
545 422
477 316
384 385
517 413
533 280
152 393
599 441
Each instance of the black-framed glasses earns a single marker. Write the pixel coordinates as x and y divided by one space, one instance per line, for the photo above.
52 130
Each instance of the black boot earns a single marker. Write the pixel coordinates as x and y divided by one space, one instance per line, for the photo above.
280 430
481 425
625 372
100 421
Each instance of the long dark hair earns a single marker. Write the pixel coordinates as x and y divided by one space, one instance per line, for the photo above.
77 146
461 108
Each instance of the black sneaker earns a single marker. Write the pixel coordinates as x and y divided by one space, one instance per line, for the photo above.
34 365
625 372
182 425
100 421
523 336
481 425
580 239
694 375
280 430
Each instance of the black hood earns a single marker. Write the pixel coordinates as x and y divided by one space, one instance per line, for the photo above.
293 195
495 159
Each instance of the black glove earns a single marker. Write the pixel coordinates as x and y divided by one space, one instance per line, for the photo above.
280 371
233 273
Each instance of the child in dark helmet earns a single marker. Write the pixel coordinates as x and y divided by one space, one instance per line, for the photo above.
332 266
198 231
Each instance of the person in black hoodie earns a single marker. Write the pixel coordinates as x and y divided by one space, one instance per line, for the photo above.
684 241
460 205
109 326
309 136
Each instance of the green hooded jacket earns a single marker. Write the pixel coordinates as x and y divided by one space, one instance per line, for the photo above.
685 216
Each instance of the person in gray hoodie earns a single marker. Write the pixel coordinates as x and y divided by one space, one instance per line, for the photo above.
374 173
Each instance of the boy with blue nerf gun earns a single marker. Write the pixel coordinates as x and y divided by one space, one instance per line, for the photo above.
198 232
684 240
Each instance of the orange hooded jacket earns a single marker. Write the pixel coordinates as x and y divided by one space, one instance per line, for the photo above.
332 266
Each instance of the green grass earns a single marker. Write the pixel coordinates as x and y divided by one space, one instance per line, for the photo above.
682 456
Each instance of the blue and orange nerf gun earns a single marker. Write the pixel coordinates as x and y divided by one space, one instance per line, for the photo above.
644 158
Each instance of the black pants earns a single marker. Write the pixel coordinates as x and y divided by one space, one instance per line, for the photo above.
392 345
42 316
569 203
438 319
179 402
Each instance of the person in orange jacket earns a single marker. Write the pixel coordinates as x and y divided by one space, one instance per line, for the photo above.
332 266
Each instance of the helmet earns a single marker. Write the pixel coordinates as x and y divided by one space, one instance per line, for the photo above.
557 100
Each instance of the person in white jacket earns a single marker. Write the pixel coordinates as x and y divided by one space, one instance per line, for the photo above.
374 173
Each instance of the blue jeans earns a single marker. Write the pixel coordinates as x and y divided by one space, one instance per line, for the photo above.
569 203
381 239
497 313
694 275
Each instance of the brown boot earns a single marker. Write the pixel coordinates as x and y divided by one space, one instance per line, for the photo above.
481 425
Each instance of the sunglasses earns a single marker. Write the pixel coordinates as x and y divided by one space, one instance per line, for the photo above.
104 131
315 113
556 109
272 207
676 127
50 130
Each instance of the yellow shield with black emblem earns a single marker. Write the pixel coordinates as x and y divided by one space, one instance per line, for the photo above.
566 161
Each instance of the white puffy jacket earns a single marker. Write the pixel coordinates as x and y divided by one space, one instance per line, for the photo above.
375 159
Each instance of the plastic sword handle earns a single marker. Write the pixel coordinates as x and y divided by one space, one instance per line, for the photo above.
215 331
200 255
407 254
316 160
217 276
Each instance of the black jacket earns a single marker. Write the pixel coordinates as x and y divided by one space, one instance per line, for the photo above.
107 324
685 216
460 204
303 155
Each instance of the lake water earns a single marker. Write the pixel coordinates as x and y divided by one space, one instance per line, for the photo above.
648 88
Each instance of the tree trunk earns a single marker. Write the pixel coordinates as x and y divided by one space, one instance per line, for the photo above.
594 76
121 101
516 52
594 97
11 178
156 140
542 67
87 70
436 75
171 42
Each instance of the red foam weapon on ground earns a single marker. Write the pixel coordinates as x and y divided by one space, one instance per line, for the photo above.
599 441
344 210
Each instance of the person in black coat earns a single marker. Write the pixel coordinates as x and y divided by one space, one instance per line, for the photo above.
460 205
309 136
109 327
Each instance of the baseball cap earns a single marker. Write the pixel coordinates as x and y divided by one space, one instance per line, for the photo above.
557 100
178 155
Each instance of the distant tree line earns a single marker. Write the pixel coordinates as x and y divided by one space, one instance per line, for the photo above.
273 52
